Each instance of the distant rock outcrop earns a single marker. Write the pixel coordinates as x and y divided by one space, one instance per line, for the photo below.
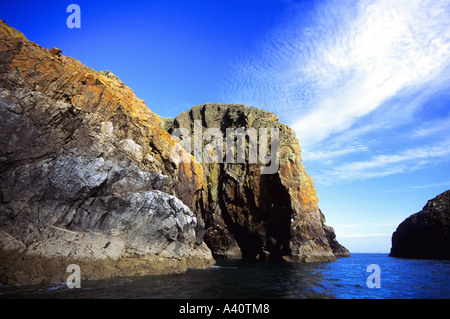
87 175
426 234
255 215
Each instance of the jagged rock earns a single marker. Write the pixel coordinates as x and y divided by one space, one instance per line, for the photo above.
11 32
55 52
338 249
250 214
426 234
87 175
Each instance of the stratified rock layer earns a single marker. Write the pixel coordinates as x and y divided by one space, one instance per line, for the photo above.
253 215
426 234
87 175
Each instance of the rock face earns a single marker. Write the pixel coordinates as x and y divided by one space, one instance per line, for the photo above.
248 213
338 249
90 176
87 175
426 234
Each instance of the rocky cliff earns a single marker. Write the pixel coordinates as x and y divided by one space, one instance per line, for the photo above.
90 176
249 213
87 175
426 234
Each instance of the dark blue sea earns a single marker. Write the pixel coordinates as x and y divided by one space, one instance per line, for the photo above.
346 278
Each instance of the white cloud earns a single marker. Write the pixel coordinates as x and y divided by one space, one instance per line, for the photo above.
329 154
435 127
366 235
389 46
350 77
447 183
384 165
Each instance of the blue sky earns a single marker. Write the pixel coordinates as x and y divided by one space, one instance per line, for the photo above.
364 83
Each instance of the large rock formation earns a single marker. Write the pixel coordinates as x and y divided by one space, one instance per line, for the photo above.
87 175
90 176
248 213
426 234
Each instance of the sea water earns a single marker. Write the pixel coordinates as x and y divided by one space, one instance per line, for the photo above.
347 278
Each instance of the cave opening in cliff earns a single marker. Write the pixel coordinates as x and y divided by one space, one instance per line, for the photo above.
278 205
259 221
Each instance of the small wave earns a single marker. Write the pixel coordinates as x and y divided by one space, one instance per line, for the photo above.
56 286
224 267
122 282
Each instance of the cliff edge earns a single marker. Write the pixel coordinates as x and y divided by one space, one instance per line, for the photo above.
87 175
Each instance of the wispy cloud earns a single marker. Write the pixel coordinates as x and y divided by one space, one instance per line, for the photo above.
431 128
388 47
365 235
377 224
447 183
383 165
329 154
348 75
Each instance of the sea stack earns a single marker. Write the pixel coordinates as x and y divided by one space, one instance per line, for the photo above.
252 215
426 234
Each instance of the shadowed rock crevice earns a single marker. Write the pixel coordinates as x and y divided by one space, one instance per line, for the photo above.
279 216
260 226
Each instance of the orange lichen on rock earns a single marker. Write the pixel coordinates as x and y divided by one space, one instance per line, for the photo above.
11 32
87 172
96 93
